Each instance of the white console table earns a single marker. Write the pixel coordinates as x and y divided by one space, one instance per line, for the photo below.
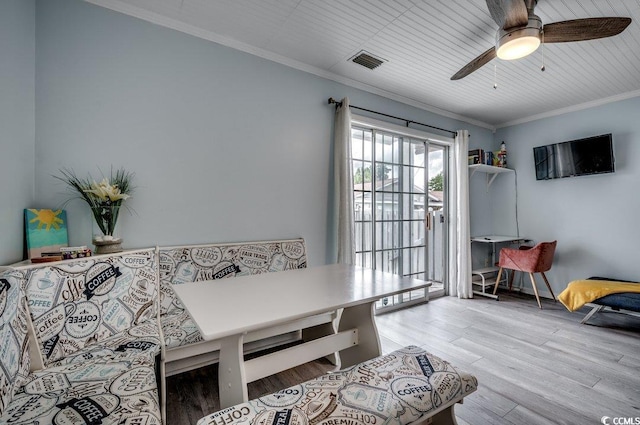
483 273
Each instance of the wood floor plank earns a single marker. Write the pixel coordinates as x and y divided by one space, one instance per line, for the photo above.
544 405
476 414
531 354
407 321
389 345
617 344
631 362
620 390
584 349
492 401
522 415
445 350
534 366
574 397
539 376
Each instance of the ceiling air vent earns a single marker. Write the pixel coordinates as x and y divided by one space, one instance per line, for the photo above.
367 60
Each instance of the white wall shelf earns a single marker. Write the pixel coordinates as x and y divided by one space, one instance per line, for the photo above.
491 171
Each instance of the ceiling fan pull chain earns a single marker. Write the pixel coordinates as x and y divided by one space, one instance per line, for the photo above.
542 35
495 76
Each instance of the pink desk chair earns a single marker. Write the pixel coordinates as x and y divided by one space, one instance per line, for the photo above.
537 259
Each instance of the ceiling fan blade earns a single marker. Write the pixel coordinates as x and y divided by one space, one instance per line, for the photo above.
496 12
584 29
508 13
475 64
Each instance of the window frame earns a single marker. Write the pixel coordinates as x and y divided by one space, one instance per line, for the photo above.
374 125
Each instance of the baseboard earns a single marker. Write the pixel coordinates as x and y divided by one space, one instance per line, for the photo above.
528 290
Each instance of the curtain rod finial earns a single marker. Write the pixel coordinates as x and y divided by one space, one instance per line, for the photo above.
332 100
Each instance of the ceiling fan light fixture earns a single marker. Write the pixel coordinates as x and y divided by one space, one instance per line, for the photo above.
518 48
518 43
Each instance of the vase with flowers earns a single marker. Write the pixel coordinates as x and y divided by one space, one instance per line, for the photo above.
105 200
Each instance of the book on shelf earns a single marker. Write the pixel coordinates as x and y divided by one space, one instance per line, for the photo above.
73 248
480 156
65 253
476 156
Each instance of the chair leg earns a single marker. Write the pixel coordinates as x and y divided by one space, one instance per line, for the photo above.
535 289
495 287
595 310
548 286
512 274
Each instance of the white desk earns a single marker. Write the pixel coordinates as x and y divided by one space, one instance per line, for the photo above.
497 239
493 240
227 309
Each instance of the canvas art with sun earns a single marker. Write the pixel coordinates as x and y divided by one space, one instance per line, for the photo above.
45 231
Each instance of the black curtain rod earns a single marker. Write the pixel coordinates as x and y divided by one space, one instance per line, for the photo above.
407 122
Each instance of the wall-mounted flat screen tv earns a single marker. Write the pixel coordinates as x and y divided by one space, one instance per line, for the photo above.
593 155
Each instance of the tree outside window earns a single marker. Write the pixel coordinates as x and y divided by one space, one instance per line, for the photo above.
436 183
363 175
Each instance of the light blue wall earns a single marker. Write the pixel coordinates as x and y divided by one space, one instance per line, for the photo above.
17 94
594 218
480 200
226 146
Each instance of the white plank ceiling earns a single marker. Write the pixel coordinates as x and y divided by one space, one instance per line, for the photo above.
424 43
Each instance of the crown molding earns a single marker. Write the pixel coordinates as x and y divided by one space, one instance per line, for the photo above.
574 108
155 18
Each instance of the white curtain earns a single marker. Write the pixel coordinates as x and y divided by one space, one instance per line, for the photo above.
460 246
343 184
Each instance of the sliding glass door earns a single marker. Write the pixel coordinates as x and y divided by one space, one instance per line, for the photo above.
399 188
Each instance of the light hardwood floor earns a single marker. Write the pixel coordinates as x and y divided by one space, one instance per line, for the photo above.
533 366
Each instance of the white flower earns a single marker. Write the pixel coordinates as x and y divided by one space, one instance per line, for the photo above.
105 191
98 190
115 194
104 198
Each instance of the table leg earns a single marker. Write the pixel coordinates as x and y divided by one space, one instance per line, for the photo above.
361 317
232 380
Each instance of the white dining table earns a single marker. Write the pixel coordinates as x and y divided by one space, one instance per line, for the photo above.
228 309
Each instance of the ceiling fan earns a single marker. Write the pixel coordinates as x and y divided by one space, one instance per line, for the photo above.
520 32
